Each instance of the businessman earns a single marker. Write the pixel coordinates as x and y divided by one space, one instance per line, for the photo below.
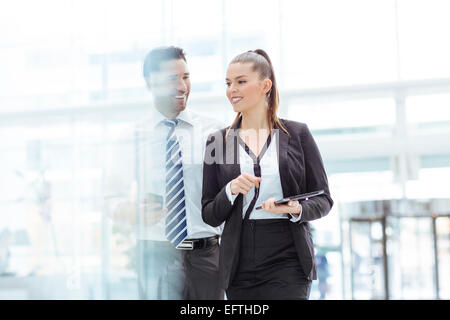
178 252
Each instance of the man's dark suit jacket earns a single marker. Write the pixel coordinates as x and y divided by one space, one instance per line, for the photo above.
301 170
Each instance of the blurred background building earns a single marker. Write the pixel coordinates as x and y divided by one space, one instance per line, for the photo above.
371 78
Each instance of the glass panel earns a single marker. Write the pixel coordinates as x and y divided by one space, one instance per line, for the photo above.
75 63
60 238
412 261
203 45
55 237
367 261
329 50
329 276
359 186
429 112
432 183
443 245
423 51
327 243
325 117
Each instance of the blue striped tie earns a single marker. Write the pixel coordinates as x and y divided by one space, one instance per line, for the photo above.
176 227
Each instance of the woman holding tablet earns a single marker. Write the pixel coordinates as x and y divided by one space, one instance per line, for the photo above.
268 253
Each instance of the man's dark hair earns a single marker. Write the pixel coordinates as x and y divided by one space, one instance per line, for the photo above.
154 58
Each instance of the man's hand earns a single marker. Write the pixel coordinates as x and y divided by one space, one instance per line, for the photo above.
152 213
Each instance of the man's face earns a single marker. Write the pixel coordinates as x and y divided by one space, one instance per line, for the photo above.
171 86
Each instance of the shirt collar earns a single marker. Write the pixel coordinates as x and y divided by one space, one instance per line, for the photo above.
154 118
186 116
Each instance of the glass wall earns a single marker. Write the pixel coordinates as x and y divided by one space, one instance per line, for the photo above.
370 78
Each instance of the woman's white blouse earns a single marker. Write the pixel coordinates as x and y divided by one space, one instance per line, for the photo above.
269 187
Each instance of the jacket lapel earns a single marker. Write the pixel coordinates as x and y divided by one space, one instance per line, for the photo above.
232 152
283 165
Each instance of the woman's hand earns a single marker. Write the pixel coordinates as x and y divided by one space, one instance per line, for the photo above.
292 207
244 183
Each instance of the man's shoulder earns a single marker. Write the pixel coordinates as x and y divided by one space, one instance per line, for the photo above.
144 126
206 122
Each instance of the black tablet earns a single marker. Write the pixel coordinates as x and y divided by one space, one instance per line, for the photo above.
298 197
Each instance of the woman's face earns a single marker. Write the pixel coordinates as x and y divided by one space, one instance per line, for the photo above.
245 89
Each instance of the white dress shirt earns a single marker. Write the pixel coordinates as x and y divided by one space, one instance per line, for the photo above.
192 132
269 187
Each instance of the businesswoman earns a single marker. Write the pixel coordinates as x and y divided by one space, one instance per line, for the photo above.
266 253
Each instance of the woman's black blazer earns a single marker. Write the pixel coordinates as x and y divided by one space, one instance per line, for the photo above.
301 170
